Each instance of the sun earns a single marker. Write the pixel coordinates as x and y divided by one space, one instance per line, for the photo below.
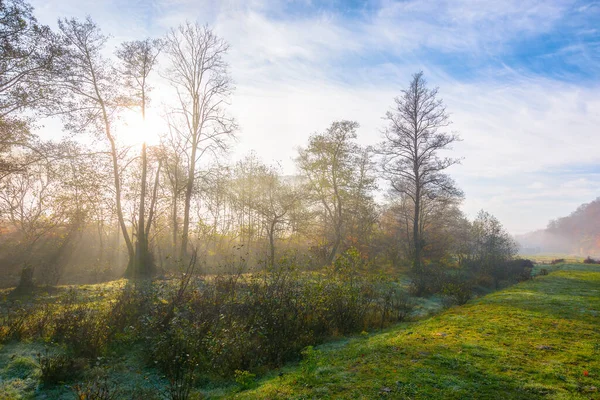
133 130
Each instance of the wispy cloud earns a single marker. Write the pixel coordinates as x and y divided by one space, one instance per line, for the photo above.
520 78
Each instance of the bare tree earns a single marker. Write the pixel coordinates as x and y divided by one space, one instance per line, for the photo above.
264 201
410 152
138 58
91 95
43 208
172 153
199 74
279 199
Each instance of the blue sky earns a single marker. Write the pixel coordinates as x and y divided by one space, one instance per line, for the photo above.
521 79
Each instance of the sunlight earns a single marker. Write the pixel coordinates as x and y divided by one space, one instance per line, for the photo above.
134 131
302 174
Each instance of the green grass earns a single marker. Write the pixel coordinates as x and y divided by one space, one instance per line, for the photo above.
547 258
529 341
533 340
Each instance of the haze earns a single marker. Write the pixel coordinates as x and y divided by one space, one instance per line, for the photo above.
520 79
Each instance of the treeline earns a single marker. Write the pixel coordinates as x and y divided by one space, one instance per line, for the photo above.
579 229
77 212
577 233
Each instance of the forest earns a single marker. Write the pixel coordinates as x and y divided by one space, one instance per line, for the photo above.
578 233
117 241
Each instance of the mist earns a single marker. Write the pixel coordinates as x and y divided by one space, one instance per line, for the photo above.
275 200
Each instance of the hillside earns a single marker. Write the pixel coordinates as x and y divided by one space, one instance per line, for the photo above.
577 233
538 339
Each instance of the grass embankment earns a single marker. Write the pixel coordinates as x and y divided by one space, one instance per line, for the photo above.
538 339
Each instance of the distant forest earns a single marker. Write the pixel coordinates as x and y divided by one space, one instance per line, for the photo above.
577 233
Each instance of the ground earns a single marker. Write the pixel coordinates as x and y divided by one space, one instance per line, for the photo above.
537 339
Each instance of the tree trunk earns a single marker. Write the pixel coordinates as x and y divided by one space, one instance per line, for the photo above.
416 237
334 249
142 267
117 180
174 221
188 200
272 243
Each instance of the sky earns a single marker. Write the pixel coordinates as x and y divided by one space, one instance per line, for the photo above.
520 79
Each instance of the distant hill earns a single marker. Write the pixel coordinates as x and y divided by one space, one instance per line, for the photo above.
577 233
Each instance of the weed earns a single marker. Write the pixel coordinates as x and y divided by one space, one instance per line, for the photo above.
245 379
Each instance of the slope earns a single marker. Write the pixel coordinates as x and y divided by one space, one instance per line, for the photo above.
538 339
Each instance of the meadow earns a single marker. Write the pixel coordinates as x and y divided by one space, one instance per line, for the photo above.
536 339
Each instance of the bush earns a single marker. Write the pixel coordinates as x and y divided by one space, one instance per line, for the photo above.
245 323
83 329
99 388
543 272
518 270
396 305
511 271
457 293
245 379
429 281
13 322
59 368
129 309
557 261
590 260
192 328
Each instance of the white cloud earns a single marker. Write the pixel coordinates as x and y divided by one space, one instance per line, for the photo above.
297 74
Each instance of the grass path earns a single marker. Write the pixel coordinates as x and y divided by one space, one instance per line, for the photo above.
538 339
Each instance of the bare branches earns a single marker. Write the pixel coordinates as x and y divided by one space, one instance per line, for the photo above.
409 152
199 74
91 94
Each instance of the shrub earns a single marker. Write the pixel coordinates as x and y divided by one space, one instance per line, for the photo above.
59 368
99 388
457 293
519 270
396 305
13 322
543 271
512 271
590 260
429 281
244 323
83 329
557 261
245 379
129 309
195 328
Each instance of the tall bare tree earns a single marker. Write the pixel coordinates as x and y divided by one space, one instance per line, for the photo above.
91 96
199 74
138 58
410 153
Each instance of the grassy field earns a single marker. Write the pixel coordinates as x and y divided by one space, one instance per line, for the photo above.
547 258
538 339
